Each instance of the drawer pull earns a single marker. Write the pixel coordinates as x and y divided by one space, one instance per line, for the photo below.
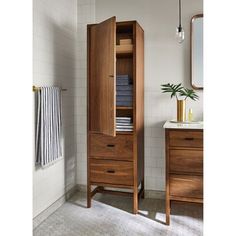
110 171
110 145
189 138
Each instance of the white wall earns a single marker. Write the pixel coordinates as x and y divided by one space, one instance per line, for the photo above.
86 15
54 63
165 61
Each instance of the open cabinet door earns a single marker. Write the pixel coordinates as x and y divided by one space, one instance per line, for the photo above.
102 80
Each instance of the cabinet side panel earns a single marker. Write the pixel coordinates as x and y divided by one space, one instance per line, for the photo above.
139 96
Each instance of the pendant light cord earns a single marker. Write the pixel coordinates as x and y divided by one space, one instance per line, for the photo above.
180 14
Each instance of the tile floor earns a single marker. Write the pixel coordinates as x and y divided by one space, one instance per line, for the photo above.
110 216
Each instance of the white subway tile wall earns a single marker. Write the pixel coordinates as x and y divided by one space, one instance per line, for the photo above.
55 63
86 15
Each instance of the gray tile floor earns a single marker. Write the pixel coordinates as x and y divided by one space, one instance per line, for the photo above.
110 216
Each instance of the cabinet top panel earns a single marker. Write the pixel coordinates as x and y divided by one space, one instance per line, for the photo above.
123 23
193 125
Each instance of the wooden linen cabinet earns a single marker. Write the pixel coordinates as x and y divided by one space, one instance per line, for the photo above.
115 158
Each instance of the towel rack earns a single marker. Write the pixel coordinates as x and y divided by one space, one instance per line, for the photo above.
38 88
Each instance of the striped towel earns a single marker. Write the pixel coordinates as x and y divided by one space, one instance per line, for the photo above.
48 125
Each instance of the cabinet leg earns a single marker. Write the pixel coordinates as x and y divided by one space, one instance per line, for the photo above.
88 196
142 188
135 201
167 211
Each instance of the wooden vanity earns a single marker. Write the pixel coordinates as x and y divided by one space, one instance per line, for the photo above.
184 163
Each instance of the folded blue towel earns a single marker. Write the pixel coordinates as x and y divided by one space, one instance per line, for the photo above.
124 98
124 103
124 92
122 82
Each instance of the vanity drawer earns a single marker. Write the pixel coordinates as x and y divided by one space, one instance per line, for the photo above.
186 186
178 138
187 161
107 147
111 172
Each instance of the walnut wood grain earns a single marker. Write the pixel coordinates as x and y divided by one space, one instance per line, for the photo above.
186 186
102 71
124 66
186 199
107 147
139 101
188 138
113 172
186 161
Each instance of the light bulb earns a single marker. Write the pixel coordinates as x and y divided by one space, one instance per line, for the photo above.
180 34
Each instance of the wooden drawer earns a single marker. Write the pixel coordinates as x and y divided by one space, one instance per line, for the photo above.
187 161
178 138
186 186
107 147
111 172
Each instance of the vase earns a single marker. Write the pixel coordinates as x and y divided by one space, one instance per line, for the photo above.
181 110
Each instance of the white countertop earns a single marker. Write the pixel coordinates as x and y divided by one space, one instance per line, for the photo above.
173 125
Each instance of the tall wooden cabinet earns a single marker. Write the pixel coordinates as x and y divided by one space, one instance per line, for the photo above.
115 158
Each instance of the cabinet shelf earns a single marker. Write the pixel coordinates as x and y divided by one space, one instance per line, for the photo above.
124 132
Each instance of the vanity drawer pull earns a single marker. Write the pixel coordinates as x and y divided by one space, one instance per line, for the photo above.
110 145
189 139
110 171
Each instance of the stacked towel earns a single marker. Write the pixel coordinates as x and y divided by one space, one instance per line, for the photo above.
124 88
124 124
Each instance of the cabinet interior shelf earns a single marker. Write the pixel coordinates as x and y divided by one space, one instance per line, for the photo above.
124 132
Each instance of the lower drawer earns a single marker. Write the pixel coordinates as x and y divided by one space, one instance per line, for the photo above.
186 186
108 147
111 172
187 161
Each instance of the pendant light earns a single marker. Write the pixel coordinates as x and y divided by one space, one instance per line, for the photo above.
179 29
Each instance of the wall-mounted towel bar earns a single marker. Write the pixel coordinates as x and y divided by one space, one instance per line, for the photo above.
38 88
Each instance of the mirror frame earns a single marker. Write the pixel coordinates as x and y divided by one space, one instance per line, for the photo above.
191 49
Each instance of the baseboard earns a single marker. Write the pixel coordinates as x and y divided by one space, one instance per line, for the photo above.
53 207
157 194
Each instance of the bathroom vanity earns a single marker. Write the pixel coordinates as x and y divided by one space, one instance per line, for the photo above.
184 163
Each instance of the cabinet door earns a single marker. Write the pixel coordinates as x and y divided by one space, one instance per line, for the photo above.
102 81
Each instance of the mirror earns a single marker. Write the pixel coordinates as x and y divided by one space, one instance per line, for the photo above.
197 51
